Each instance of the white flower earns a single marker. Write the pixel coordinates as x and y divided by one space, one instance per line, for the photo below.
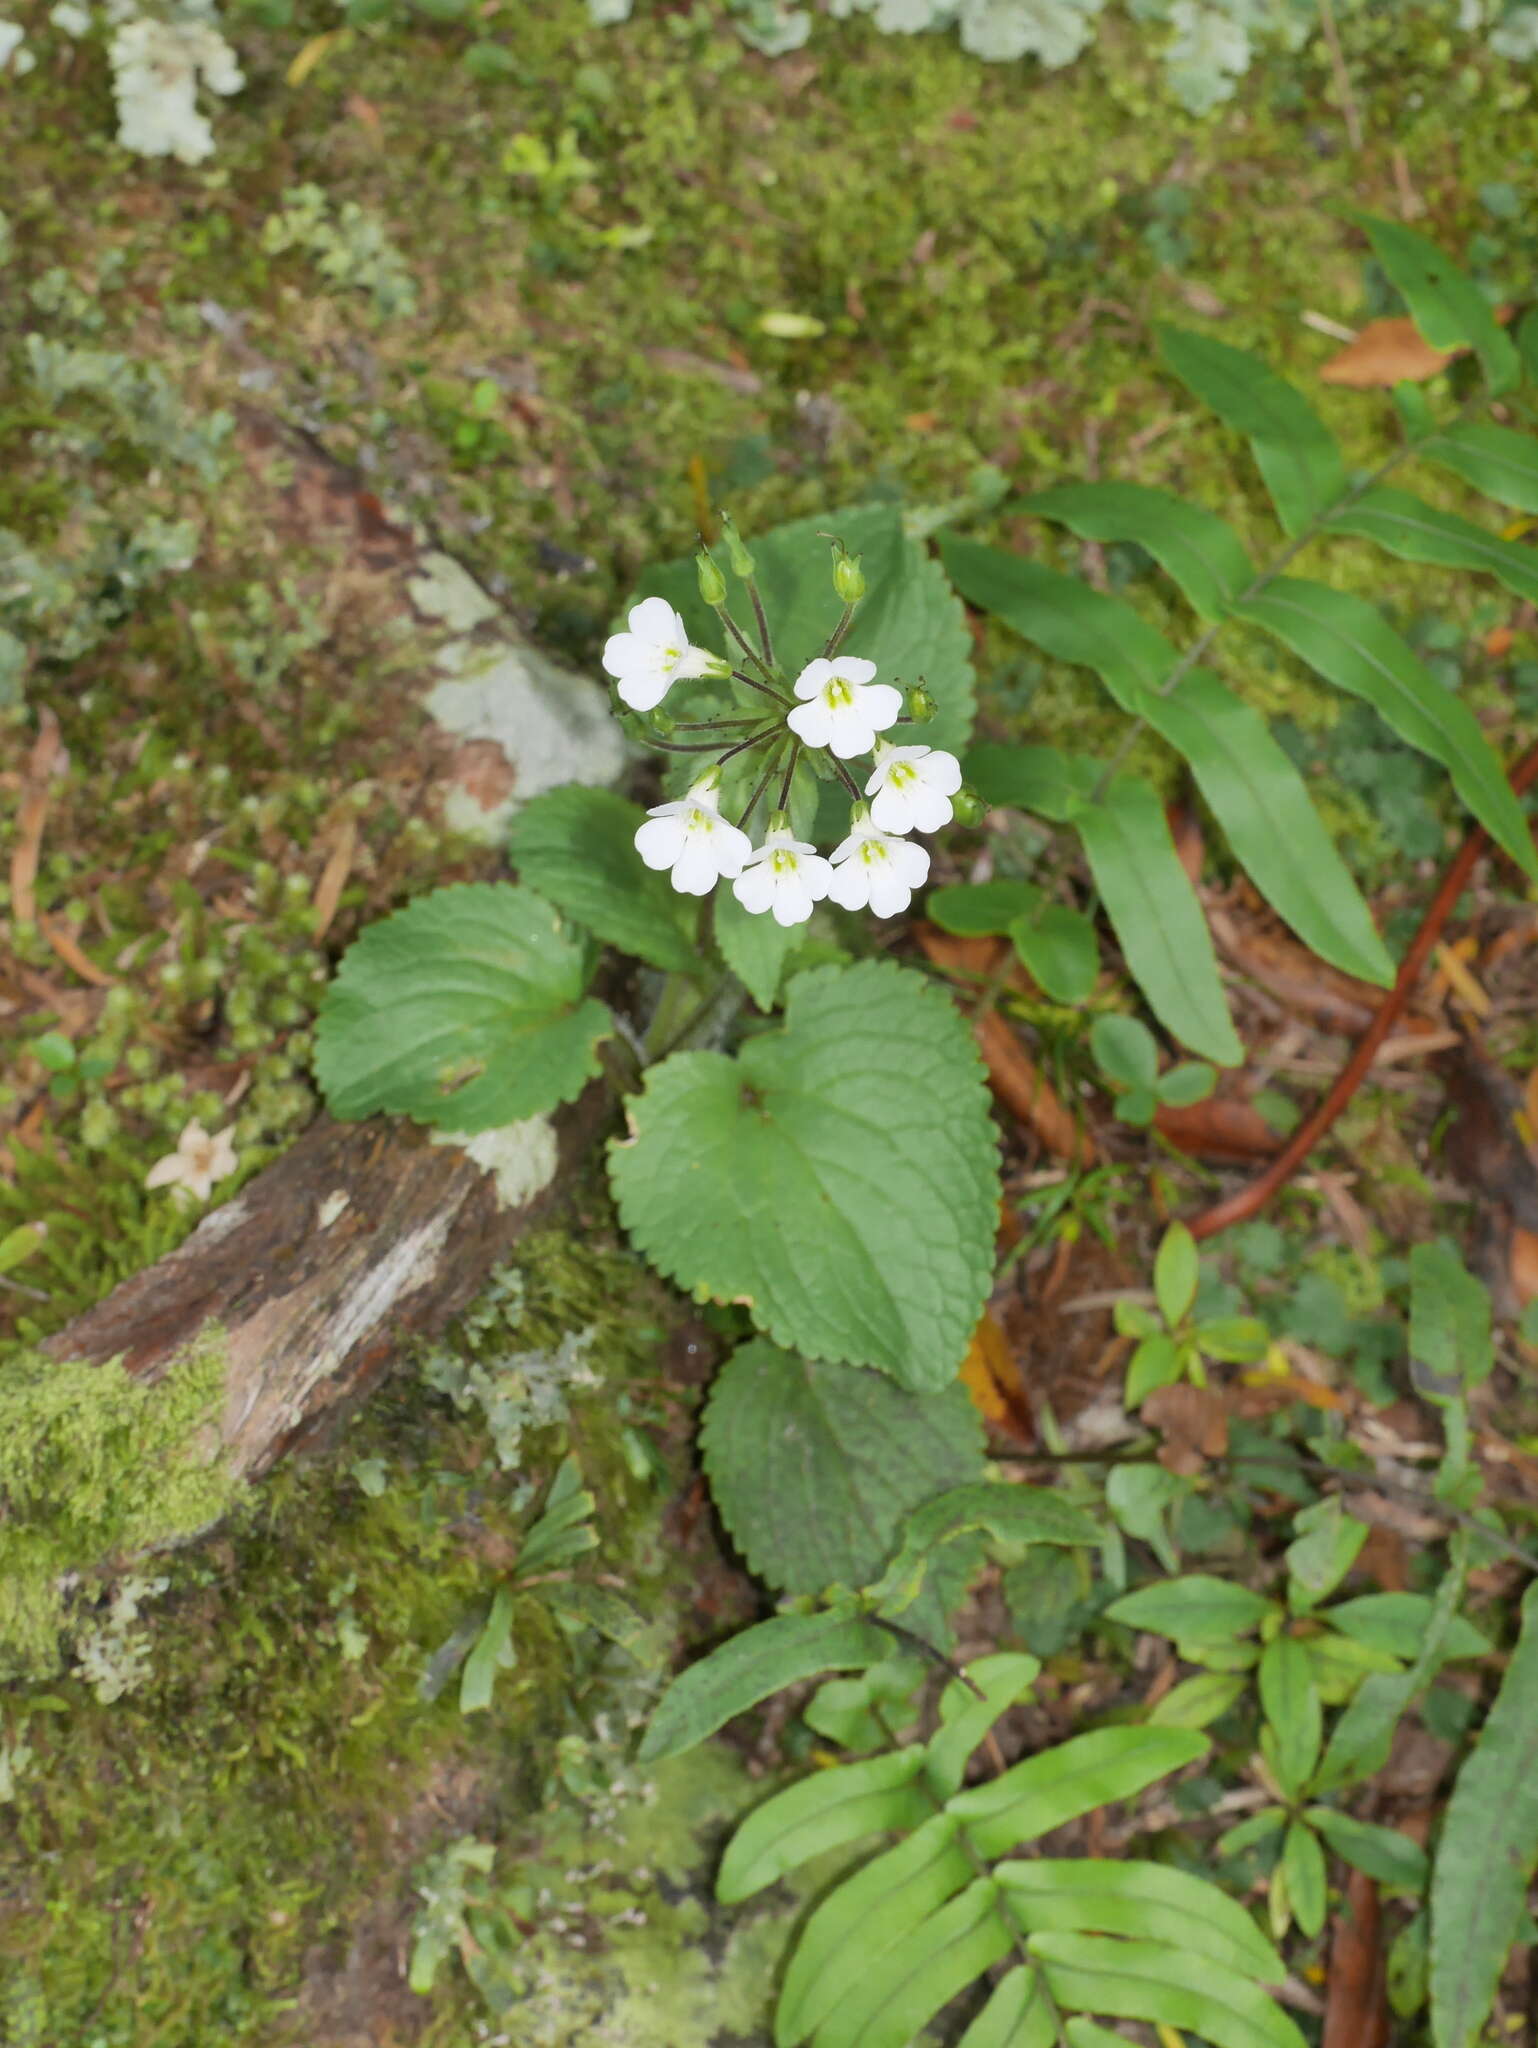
74 21
874 867
647 661
786 876
912 787
692 838
196 1164
12 54
842 708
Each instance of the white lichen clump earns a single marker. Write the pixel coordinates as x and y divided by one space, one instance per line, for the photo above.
157 68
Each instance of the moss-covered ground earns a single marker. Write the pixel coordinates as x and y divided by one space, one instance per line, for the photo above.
532 310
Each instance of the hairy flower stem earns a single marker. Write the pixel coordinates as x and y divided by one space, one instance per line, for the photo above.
691 746
836 637
743 641
763 689
745 746
764 639
790 771
759 788
846 778
717 724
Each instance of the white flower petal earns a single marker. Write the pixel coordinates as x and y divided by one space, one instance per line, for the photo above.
654 619
754 889
812 723
881 704
660 840
850 885
696 872
812 677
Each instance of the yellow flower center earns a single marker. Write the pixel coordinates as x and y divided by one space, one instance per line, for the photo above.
836 694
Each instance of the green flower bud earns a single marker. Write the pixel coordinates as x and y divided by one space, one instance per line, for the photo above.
661 724
741 560
967 807
712 582
921 706
848 578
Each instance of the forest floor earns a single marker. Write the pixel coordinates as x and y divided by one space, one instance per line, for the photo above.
535 313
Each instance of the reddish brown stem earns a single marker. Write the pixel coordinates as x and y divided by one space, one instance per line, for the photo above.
1249 1201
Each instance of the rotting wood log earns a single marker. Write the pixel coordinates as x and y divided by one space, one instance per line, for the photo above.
365 1236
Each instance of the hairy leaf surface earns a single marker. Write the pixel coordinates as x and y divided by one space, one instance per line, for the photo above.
576 846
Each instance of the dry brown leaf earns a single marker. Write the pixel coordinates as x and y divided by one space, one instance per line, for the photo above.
32 815
1222 1127
992 1379
1356 2007
328 890
64 944
1193 1423
1386 353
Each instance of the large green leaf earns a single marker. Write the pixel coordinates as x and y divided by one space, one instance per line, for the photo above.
968 1709
1018 2015
1201 552
1254 791
815 1467
1087 1771
1496 460
839 1177
1149 1901
1353 646
1397 1622
755 948
909 624
1295 451
870 1914
576 846
464 1010
749 1667
1157 920
1488 1850
1042 780
822 1812
1445 303
1408 527
1195 1609
1143 1980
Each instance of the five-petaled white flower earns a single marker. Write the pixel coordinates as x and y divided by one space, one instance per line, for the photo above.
655 653
785 875
871 866
693 839
196 1164
842 708
912 787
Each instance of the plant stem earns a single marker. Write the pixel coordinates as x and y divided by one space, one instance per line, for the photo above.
836 637
790 771
743 641
763 689
745 746
765 640
763 783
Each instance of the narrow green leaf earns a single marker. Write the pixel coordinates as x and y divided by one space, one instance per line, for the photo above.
1290 1700
749 1667
941 1958
1445 303
1383 1853
1195 1609
1177 1269
1488 1850
576 846
1149 1901
1404 525
464 1010
493 1652
1398 1623
1158 922
1143 1980
1198 1702
601 1610
855 1221
1323 1551
869 1914
1296 453
981 909
1352 645
1064 617
862 1712
1259 799
1018 2015
1082 2033
1155 1363
815 1468
965 1718
822 1812
1201 552
1303 1865
1449 1322
1085 1772
1499 461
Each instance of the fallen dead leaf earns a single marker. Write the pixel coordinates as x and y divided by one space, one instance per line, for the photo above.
64 944
1356 2005
1193 1423
992 1379
1386 353
33 815
1223 1127
333 879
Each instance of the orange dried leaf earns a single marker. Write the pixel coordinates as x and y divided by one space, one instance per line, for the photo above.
992 1379
1385 353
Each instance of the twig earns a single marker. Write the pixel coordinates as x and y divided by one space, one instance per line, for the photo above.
1348 107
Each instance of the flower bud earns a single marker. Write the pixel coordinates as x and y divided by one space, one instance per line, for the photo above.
848 579
967 807
741 560
712 582
921 706
779 821
661 724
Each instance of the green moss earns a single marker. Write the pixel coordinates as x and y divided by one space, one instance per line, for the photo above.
95 1465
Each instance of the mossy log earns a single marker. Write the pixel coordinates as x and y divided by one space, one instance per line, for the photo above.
364 1236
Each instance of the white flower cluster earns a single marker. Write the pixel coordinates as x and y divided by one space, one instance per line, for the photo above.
839 707
157 67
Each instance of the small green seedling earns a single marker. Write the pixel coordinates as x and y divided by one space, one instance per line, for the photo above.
1170 1346
1127 1055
